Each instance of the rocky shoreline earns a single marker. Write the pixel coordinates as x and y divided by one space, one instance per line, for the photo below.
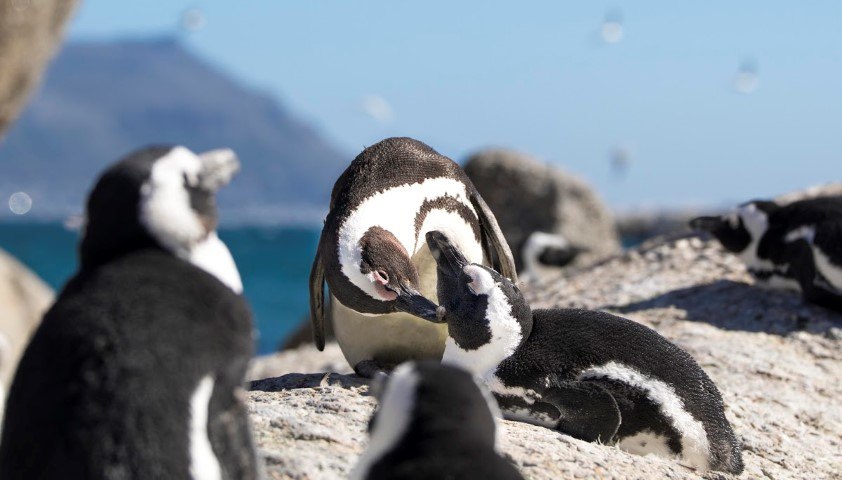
776 360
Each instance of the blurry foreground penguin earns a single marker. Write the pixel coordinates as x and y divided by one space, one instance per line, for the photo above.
374 256
136 370
433 422
797 246
592 375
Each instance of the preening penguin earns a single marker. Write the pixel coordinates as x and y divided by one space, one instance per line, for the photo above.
135 372
592 375
433 422
797 246
374 256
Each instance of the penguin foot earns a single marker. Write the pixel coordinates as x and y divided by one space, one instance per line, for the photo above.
371 369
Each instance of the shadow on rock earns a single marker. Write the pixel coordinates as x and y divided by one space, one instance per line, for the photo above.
307 380
738 306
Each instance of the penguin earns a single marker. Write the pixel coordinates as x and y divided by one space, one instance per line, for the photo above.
589 374
543 253
373 255
797 246
136 370
433 421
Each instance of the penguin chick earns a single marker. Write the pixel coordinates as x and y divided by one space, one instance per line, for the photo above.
433 422
136 370
592 375
794 247
374 256
544 252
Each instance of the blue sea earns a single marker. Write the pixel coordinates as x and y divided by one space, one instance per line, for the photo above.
273 261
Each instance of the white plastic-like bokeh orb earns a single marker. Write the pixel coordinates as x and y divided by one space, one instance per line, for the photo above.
20 203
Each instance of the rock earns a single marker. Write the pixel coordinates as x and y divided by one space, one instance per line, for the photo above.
776 360
826 190
23 300
305 358
29 33
527 196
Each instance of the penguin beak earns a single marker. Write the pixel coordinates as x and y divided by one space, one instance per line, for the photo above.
411 301
449 259
706 224
218 167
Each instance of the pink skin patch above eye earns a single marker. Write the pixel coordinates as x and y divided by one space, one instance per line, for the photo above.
380 283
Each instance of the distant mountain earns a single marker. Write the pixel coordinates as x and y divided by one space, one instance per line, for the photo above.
102 100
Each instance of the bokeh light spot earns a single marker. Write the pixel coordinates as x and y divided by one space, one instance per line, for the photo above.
20 203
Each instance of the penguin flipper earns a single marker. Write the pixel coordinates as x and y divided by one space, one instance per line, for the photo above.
588 411
494 240
317 300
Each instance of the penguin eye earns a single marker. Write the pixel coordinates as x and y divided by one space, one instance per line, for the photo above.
382 276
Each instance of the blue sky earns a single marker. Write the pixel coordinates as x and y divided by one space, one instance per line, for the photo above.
538 76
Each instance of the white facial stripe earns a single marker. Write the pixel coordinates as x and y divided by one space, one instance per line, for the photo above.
213 256
694 441
393 417
482 282
535 245
756 222
506 334
394 210
165 209
203 462
829 270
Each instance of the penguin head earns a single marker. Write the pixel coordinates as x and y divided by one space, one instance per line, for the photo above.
162 196
428 400
481 307
737 229
543 249
388 274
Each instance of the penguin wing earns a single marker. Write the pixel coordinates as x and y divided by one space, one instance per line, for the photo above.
493 239
317 300
588 411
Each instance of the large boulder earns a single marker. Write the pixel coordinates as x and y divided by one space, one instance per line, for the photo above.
528 196
30 31
23 300
776 360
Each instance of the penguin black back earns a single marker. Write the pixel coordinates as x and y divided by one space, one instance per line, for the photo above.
134 371
433 422
593 375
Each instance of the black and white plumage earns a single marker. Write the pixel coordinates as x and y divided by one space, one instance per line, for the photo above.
592 375
797 246
136 370
433 421
543 253
374 257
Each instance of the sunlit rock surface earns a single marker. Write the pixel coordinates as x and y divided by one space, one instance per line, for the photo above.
776 360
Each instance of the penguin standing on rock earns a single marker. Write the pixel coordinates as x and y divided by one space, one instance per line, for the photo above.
433 422
797 246
135 372
374 256
592 375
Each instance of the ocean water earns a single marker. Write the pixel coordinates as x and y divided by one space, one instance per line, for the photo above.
273 261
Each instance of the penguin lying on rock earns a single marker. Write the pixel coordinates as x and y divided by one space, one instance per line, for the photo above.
374 256
433 422
544 253
592 375
796 246
135 372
